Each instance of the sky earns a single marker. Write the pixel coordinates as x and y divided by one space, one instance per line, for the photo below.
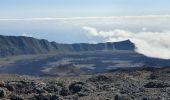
81 8
145 22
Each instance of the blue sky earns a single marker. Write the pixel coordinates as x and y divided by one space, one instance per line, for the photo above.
81 8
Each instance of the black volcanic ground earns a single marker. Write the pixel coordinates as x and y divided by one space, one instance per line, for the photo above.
81 63
143 84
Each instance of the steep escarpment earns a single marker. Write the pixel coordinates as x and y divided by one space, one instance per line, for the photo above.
17 45
14 45
122 45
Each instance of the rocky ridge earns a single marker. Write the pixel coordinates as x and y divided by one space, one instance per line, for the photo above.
20 45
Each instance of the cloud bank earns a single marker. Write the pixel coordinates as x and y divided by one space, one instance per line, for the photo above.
152 44
86 18
26 35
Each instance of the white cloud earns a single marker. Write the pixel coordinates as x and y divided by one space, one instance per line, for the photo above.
26 35
152 44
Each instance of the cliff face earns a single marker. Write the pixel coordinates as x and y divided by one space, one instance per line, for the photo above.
16 45
13 45
123 45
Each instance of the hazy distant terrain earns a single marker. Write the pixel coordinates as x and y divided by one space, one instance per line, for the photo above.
81 63
30 56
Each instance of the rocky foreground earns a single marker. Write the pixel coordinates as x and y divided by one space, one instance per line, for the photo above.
143 84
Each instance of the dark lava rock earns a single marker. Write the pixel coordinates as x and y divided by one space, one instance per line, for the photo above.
20 86
100 78
81 88
16 97
108 86
56 97
2 93
39 88
81 94
25 87
53 88
76 87
152 76
156 85
145 98
65 92
46 97
121 97
40 97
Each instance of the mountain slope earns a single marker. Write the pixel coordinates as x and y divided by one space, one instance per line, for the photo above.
17 45
13 45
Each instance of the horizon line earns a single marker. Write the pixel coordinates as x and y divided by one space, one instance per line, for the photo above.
83 18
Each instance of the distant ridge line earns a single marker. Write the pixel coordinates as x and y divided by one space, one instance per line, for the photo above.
19 45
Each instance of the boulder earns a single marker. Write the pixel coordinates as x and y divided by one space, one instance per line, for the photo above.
65 92
76 87
3 93
2 83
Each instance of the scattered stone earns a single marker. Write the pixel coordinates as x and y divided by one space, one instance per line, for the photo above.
101 78
41 97
56 97
121 97
153 76
156 85
65 92
81 94
145 99
40 88
46 97
16 97
76 87
26 87
52 88
2 93
2 83
20 86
